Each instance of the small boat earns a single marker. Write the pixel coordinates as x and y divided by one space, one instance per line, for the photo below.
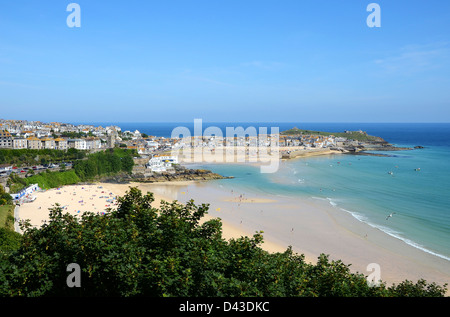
391 173
417 169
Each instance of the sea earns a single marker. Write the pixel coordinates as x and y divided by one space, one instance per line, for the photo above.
412 185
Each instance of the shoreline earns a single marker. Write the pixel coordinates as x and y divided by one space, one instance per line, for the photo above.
338 233
311 227
37 211
302 153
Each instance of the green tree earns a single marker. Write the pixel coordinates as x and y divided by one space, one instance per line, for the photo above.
104 163
127 164
9 241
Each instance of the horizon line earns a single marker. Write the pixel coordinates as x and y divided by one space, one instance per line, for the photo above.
240 121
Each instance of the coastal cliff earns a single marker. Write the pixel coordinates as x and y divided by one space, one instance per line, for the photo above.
363 147
179 173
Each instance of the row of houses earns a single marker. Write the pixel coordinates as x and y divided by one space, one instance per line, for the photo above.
217 142
7 141
316 141
39 129
26 194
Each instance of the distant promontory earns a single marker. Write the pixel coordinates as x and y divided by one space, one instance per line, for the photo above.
348 142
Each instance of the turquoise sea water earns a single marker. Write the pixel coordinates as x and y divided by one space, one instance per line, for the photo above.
361 185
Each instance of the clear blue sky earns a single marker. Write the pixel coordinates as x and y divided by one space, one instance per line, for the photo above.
225 60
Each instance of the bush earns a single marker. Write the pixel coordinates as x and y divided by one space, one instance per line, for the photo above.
104 163
29 157
5 198
9 240
53 179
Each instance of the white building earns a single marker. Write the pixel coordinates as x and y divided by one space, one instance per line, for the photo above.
6 140
20 143
5 168
61 144
137 135
26 193
93 143
161 163
153 145
330 141
79 144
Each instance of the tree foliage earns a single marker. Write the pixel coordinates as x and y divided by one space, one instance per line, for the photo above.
30 157
138 250
5 198
104 163
107 162
55 179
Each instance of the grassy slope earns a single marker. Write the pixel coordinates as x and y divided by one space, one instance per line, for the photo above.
355 135
4 212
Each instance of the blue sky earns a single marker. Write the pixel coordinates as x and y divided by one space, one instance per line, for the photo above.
233 60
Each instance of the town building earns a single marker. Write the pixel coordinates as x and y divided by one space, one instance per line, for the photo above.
78 144
20 143
111 140
61 144
26 194
48 143
93 143
5 168
161 163
34 143
6 140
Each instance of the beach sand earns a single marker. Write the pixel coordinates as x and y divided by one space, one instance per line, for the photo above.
74 199
310 226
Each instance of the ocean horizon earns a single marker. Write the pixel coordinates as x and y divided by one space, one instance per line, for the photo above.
368 187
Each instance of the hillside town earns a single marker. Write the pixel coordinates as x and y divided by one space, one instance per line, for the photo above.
157 151
22 134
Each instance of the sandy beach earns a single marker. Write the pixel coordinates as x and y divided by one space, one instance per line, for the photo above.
297 152
311 227
75 200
